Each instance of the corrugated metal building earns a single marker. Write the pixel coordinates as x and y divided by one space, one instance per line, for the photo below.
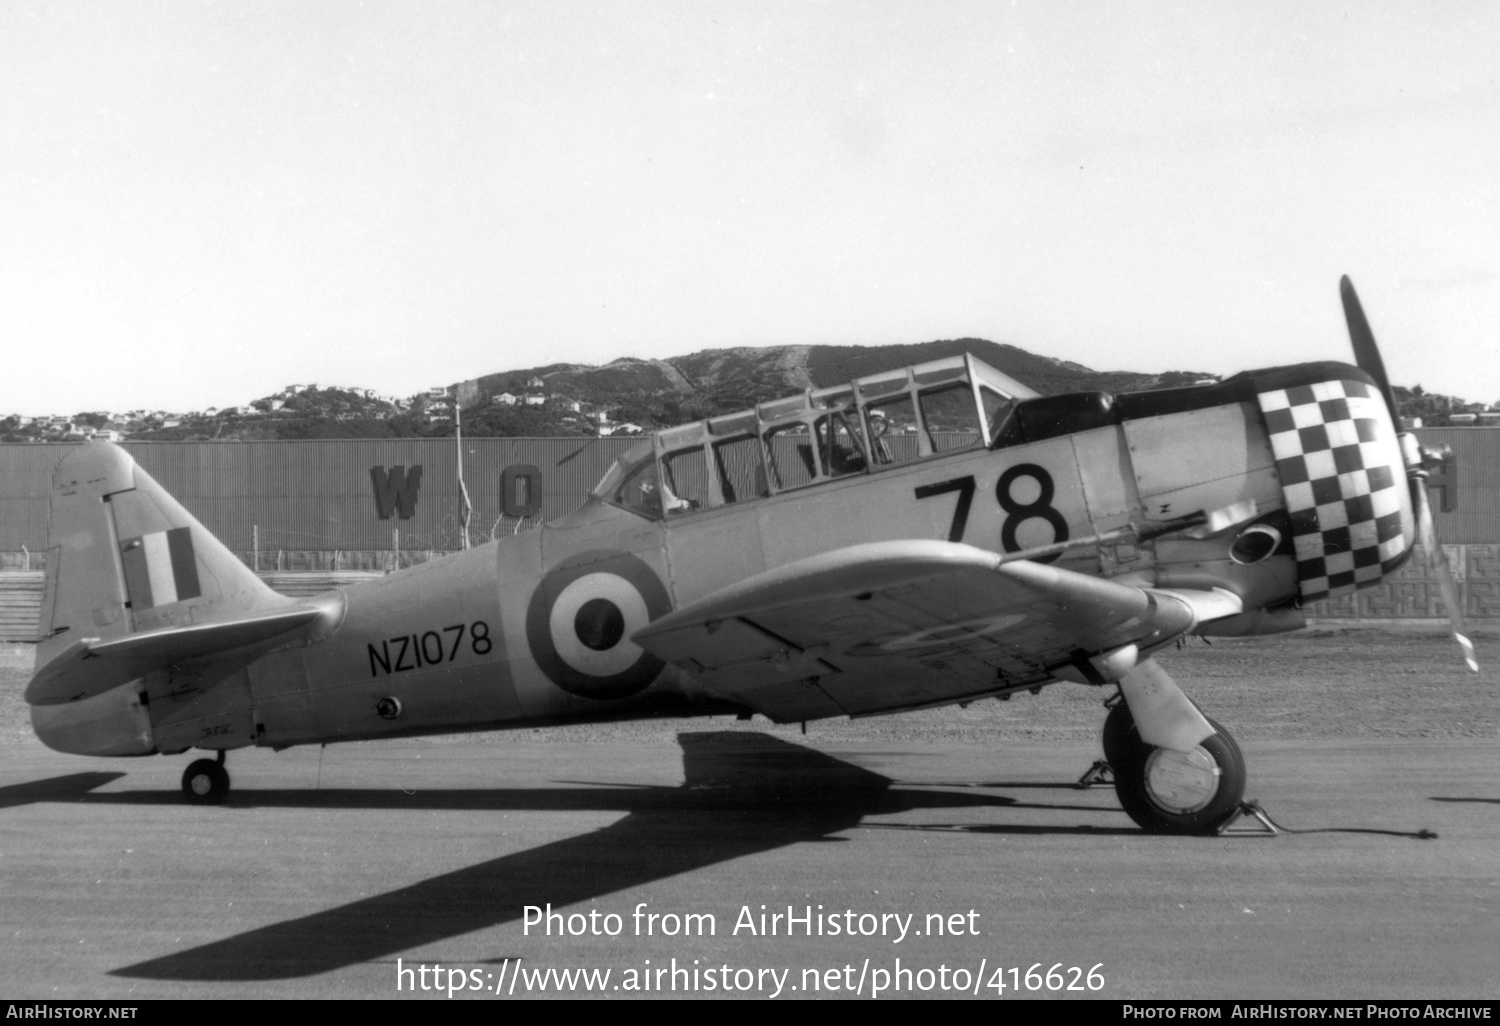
318 496
1475 519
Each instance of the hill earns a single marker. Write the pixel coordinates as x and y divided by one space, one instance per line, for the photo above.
713 381
576 399
569 399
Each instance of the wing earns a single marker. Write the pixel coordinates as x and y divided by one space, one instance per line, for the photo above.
893 625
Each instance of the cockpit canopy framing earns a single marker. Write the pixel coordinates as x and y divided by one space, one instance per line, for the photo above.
819 435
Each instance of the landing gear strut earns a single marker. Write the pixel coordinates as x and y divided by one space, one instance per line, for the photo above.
1174 792
206 781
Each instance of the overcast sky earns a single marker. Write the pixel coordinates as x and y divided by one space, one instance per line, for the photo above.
203 202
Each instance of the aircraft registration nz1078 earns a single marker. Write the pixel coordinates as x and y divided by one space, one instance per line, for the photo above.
932 535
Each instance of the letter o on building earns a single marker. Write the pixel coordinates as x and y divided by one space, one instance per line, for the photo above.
521 491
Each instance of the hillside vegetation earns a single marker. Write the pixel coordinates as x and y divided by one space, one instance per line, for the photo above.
631 394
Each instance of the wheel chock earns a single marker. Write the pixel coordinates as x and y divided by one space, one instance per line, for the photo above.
1097 774
1252 813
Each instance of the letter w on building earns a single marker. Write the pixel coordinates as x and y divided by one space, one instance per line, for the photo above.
396 490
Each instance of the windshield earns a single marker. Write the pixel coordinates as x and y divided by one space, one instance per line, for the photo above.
632 482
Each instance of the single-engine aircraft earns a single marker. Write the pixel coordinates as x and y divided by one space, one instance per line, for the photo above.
923 537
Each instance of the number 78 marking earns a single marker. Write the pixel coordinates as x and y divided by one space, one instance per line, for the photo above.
964 486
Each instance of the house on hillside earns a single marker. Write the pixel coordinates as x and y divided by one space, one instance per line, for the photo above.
536 383
504 399
536 400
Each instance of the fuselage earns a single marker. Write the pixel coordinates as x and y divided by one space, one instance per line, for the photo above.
536 628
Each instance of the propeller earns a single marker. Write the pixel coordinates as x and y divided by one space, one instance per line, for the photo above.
1366 352
1446 582
1419 461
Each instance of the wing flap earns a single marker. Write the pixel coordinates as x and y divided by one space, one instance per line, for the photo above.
905 623
91 667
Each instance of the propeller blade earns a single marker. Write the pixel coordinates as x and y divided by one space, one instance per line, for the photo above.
1367 356
1366 352
1446 582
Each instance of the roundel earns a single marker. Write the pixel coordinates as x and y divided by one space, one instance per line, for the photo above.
581 618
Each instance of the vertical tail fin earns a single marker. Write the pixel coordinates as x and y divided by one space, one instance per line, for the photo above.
124 556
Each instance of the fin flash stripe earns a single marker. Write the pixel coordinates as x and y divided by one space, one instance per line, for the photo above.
160 568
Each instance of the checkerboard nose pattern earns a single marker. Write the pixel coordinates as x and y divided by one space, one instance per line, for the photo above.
1344 481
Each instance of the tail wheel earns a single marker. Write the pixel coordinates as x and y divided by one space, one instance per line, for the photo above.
205 782
1174 792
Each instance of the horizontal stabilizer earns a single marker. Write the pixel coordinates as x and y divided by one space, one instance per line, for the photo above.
91 666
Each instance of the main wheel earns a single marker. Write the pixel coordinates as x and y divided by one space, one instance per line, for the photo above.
1174 792
205 782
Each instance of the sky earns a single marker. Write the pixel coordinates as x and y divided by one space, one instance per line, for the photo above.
202 202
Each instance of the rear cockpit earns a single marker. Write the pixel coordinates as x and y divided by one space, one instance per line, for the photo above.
820 435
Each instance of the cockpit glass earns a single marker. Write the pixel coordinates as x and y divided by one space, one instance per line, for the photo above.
684 483
632 482
951 417
840 446
741 473
793 459
997 409
640 491
893 430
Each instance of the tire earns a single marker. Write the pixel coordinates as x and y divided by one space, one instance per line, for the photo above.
1166 792
205 782
1117 725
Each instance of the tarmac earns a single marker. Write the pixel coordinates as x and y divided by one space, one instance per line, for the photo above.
898 869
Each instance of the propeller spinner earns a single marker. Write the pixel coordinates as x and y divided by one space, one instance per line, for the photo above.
1419 461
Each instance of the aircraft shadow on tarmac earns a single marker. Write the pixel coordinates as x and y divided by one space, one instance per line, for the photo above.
72 787
743 794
